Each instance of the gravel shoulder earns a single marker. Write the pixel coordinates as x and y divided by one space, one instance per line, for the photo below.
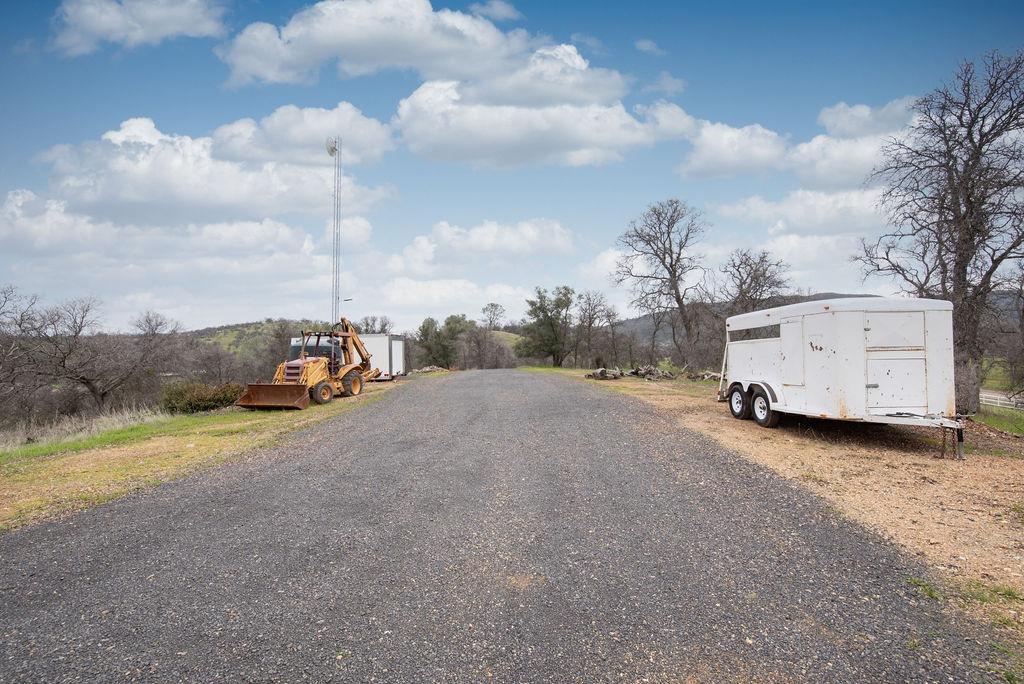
481 526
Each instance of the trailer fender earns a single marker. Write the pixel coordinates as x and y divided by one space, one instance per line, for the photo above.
751 386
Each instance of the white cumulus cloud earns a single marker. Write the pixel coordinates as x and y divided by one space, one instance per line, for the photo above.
841 158
556 74
498 10
83 24
452 242
298 134
810 212
853 121
365 36
441 296
832 162
722 150
435 122
666 83
139 174
600 268
523 237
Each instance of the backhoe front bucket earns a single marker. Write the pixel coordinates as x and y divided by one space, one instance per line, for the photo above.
270 396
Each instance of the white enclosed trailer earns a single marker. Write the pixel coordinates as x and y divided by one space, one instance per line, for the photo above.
871 359
387 353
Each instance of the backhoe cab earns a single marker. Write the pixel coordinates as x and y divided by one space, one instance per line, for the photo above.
324 366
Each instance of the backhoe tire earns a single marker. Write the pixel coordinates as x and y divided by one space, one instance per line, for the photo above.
322 393
352 383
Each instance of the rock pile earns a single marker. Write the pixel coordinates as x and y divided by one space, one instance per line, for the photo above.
651 373
428 369
605 374
704 375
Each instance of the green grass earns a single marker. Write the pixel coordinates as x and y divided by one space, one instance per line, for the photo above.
507 338
1017 510
128 435
1005 419
38 481
924 587
991 593
997 378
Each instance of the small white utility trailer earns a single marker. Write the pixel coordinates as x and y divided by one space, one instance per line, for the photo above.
870 359
387 352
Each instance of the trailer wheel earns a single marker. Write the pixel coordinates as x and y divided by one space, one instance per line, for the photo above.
322 393
761 409
739 403
352 383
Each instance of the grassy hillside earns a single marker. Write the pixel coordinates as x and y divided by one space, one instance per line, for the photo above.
242 338
507 338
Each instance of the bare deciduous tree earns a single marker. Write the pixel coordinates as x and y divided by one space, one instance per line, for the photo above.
747 281
610 316
590 306
480 348
17 380
69 347
953 190
493 315
373 325
660 263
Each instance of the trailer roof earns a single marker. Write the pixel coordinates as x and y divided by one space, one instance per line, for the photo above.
756 319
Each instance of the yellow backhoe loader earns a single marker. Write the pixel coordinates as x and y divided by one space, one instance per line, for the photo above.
321 368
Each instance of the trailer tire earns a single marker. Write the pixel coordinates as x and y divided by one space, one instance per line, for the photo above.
739 402
761 410
352 383
322 393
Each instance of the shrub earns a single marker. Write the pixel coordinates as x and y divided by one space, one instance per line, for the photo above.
669 367
193 396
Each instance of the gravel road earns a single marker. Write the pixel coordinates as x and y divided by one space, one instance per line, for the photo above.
491 526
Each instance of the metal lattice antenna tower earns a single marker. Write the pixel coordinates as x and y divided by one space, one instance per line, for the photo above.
334 149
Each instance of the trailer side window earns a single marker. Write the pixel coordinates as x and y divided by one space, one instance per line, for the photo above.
764 332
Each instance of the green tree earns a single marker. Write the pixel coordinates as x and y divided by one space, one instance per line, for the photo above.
548 328
439 343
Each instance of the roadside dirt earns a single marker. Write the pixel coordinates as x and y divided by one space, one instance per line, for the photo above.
966 518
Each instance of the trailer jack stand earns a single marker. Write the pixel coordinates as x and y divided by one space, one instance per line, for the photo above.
959 432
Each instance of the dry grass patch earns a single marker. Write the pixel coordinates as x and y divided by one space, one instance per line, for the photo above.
40 481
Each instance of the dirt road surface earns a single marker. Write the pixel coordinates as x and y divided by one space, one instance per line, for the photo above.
492 526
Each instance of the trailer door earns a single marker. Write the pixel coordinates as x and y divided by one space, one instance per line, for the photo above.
792 334
897 380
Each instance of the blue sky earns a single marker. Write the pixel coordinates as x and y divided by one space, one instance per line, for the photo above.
493 146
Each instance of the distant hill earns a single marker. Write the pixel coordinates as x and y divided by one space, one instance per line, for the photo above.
241 338
642 326
507 338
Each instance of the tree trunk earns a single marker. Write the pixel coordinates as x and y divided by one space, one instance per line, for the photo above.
967 353
968 381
